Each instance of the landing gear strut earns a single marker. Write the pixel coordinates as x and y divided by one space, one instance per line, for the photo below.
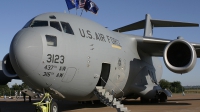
46 104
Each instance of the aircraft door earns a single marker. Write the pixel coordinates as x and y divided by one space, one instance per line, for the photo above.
105 72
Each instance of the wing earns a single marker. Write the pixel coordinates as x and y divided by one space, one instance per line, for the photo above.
156 46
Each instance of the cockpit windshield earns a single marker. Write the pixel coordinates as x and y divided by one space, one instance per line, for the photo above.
28 23
39 23
65 27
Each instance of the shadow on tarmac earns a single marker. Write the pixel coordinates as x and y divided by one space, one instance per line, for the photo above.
184 99
20 106
66 105
160 103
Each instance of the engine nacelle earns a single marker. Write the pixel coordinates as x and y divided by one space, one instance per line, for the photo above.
180 56
3 78
8 68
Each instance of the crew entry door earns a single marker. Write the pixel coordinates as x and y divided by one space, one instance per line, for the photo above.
105 72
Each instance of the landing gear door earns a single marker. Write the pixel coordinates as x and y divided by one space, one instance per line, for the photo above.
69 75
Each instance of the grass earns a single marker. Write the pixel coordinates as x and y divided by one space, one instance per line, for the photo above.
192 91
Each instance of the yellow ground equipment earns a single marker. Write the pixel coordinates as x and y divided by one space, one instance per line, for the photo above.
46 104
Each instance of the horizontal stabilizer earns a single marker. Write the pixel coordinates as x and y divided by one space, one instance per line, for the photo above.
155 23
162 23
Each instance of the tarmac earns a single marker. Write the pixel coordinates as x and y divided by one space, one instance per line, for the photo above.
177 103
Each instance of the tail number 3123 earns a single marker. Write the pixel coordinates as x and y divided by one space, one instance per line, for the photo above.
52 58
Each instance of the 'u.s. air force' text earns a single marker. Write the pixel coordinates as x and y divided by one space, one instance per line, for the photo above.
99 36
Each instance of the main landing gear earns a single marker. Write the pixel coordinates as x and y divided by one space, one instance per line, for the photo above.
161 98
46 104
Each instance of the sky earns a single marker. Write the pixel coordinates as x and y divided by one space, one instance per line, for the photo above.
112 14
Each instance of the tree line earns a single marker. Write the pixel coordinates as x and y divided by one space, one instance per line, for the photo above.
174 87
5 90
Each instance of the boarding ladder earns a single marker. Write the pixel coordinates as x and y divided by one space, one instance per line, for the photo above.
108 99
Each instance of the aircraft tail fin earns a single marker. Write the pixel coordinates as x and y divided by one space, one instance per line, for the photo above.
148 24
148 31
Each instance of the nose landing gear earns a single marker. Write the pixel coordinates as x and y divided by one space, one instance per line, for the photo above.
46 104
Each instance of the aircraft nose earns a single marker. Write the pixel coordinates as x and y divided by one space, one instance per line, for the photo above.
26 51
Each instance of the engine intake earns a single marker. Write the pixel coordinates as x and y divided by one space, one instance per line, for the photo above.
8 68
180 56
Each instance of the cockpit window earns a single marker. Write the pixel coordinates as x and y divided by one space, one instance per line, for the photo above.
55 25
67 28
39 23
28 23
51 40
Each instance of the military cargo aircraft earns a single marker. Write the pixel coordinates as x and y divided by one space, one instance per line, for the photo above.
75 59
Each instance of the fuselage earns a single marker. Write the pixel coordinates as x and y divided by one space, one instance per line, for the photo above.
73 55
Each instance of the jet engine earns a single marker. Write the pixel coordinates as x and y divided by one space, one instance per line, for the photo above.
180 56
8 68
3 79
